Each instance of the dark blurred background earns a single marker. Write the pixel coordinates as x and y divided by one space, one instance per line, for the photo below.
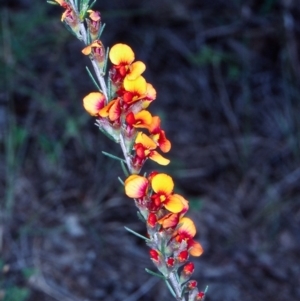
227 74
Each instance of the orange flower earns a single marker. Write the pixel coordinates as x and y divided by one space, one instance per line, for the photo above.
171 220
186 231
122 56
141 119
145 148
134 90
158 135
163 186
93 103
112 110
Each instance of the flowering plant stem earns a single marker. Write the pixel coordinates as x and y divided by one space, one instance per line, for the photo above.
120 111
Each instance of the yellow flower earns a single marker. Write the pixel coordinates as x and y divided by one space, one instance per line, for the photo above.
122 56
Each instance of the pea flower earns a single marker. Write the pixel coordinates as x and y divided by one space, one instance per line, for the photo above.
94 23
93 103
186 232
97 51
145 149
122 56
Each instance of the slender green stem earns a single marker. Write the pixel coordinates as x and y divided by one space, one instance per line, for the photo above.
176 286
100 79
126 155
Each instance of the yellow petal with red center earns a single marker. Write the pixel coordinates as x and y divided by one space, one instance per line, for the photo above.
136 186
162 183
87 50
187 227
143 119
158 158
146 141
121 54
169 220
196 249
137 86
136 69
150 92
93 103
174 204
114 112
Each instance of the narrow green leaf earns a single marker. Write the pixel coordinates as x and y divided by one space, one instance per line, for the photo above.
136 234
101 30
124 168
88 37
105 62
113 157
93 79
206 289
52 2
121 181
155 274
92 4
109 89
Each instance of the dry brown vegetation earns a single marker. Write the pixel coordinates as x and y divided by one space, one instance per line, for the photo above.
227 75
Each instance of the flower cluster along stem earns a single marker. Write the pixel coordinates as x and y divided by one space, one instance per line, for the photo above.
121 114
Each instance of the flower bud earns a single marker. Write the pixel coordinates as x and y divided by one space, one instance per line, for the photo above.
191 285
94 23
188 269
170 262
96 49
200 296
152 220
71 19
186 272
154 255
183 256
